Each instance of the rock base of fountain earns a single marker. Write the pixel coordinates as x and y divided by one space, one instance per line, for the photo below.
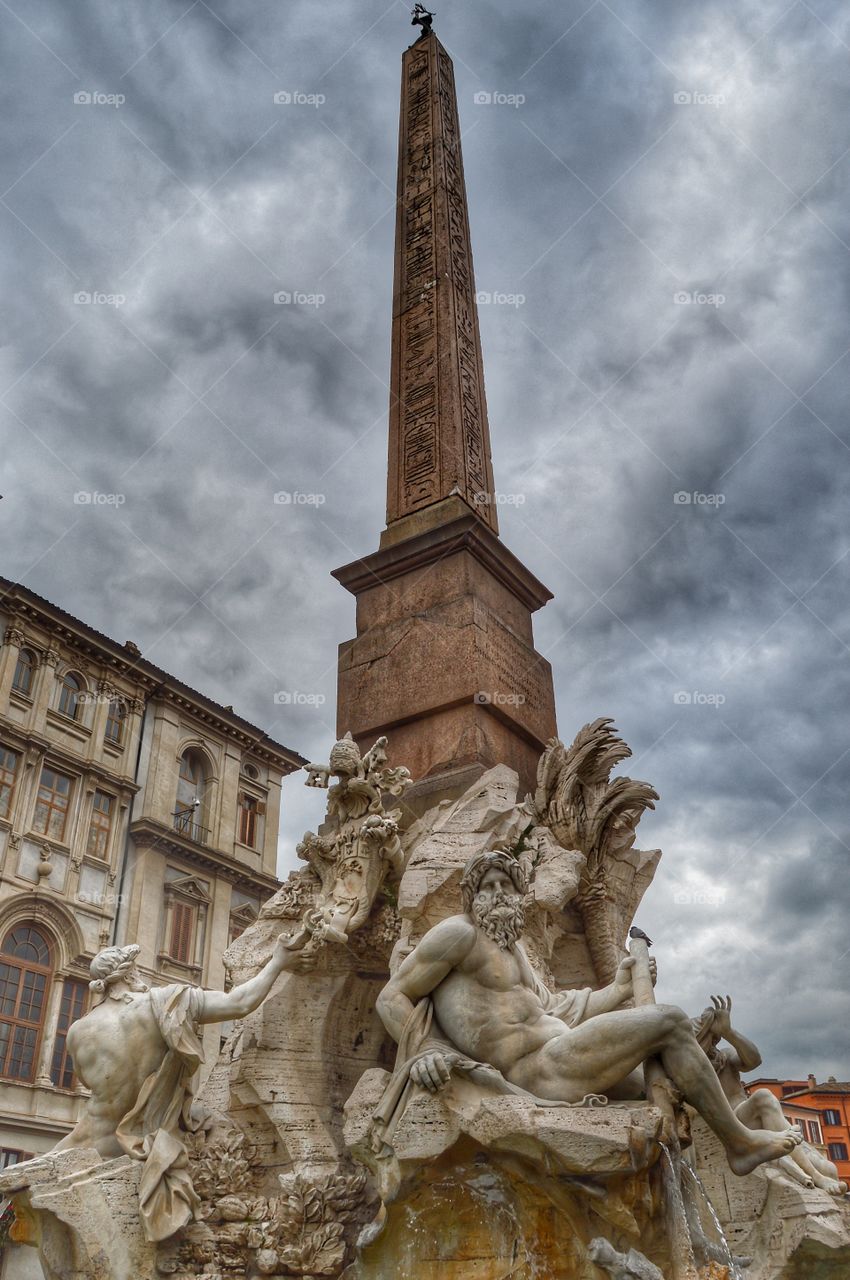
81 1214
790 1232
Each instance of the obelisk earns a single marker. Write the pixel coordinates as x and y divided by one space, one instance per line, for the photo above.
443 661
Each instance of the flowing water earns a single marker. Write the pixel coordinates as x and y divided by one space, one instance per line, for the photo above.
682 1259
720 1244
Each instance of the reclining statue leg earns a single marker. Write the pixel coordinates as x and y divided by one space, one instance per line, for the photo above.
597 1054
764 1111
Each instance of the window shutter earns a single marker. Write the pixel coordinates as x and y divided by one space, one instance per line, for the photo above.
181 932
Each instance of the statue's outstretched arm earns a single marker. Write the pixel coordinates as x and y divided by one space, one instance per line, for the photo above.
225 1006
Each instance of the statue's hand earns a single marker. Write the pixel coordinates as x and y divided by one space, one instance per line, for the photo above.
722 1014
625 970
623 977
288 952
433 1071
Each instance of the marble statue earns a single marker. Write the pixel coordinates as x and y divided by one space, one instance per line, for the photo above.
760 1109
467 995
137 1051
586 809
358 845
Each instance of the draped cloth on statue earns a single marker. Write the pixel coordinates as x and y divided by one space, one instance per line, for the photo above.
153 1130
422 1035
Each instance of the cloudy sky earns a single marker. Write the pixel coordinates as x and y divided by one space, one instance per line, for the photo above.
663 190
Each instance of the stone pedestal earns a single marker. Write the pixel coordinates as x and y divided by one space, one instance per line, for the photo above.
480 1186
444 660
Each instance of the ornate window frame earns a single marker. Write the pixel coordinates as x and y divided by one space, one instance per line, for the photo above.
187 891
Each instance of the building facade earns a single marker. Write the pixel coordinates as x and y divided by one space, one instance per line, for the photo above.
132 809
821 1110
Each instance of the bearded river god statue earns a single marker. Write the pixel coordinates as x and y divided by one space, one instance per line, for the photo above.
466 999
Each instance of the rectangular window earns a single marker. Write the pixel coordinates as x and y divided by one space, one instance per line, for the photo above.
831 1117
115 722
8 772
11 1155
837 1151
247 821
73 1006
182 932
51 807
812 1132
101 825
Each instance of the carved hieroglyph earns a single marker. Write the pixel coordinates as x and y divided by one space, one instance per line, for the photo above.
439 435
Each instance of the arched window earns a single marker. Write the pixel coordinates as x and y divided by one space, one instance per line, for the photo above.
191 789
24 672
25 970
69 695
115 722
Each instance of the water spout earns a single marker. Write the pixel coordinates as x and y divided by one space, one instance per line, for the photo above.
682 1261
719 1249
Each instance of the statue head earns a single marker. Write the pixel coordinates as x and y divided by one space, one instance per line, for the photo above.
495 892
492 860
115 964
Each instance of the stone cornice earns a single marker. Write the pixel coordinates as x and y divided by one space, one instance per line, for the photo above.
148 833
17 739
26 607
462 533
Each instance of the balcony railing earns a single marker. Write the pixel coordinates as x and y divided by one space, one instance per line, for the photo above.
187 825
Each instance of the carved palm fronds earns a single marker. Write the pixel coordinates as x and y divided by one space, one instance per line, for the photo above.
586 810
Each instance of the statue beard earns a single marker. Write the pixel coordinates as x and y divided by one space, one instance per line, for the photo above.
501 916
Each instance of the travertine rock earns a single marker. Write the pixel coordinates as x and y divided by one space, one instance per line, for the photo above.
491 814
82 1215
580 1141
622 1266
789 1231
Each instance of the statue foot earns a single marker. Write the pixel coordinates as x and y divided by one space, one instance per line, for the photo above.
832 1185
762 1145
790 1167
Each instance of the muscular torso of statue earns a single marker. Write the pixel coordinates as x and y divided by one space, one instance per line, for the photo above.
115 1048
488 1007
